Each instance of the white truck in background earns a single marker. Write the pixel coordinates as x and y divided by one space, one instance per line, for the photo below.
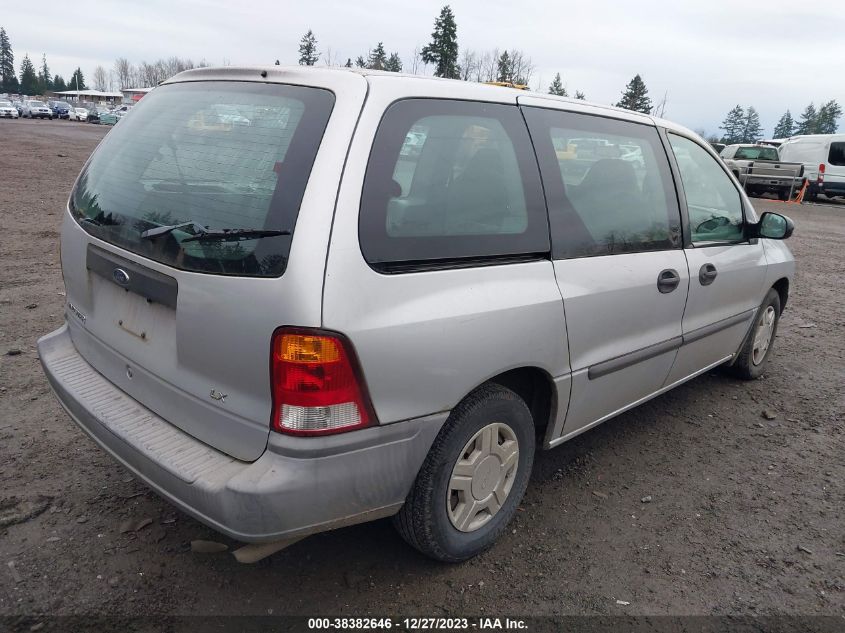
760 170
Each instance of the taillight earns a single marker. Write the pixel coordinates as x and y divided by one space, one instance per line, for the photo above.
821 173
317 384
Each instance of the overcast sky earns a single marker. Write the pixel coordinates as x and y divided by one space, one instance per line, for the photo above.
708 55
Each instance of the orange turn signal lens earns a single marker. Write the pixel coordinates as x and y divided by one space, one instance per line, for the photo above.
300 348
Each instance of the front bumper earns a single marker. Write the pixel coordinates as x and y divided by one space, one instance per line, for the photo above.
299 486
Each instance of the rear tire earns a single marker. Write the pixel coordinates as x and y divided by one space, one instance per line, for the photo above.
757 349
783 195
471 483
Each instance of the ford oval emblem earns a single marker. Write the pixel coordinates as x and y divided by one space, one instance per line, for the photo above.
120 276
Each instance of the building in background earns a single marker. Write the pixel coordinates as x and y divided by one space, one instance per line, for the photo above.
134 95
88 96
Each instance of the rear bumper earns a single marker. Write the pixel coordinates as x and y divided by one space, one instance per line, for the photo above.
299 486
772 183
833 187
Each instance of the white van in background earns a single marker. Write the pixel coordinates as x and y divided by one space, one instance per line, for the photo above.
823 156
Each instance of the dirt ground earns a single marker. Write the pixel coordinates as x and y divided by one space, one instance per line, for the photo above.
747 514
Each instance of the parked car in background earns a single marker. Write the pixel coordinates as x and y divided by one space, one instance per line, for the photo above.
8 111
93 115
78 114
60 109
760 169
37 110
18 106
108 117
122 110
823 157
429 317
718 147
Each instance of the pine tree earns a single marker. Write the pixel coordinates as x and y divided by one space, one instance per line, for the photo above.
635 96
808 122
29 80
556 87
59 84
504 68
308 54
377 59
361 62
45 79
443 49
580 95
733 125
77 81
784 127
752 131
348 63
394 64
8 80
826 122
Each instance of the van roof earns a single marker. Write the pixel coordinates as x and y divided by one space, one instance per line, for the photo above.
288 74
816 137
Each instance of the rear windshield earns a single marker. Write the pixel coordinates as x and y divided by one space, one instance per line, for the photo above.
837 154
223 155
756 153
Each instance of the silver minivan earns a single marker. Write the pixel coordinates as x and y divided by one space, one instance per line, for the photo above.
371 295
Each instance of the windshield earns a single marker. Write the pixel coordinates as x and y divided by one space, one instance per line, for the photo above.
81 110
226 155
5 103
35 104
756 153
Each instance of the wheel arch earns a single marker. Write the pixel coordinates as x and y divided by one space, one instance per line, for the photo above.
537 388
782 288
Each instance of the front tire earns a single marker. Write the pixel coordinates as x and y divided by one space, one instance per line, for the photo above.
754 355
473 479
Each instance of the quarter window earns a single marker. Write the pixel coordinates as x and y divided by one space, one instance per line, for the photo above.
713 202
607 184
451 180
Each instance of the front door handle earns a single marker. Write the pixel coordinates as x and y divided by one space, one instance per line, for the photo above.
707 274
668 280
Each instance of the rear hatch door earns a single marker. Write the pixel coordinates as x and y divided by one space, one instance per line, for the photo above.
182 318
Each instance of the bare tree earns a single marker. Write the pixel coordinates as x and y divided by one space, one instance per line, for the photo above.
467 64
100 79
488 69
659 110
522 68
331 58
416 60
123 73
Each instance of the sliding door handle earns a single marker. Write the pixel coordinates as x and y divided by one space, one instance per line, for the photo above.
707 274
668 280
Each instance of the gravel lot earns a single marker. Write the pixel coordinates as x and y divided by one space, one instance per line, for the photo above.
747 514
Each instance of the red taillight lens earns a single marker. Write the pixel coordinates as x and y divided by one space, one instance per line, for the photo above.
317 385
821 172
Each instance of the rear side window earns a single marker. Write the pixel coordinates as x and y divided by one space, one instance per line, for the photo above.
225 155
837 154
451 180
607 182
713 202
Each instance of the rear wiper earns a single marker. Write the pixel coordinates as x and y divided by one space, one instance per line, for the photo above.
232 235
201 232
164 230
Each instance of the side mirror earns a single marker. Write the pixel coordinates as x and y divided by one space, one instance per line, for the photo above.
774 226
